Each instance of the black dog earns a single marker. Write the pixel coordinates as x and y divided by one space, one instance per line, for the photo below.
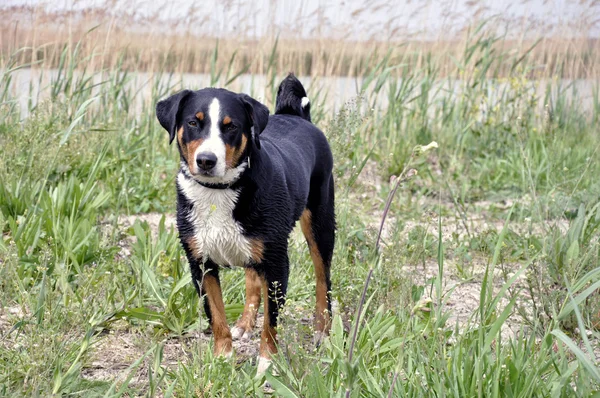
245 179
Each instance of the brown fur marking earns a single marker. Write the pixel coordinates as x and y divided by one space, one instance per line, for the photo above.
217 309
232 154
257 248
229 153
193 246
322 316
226 120
191 150
253 287
200 116
268 337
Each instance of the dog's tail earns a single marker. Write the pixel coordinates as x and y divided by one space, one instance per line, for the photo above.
292 99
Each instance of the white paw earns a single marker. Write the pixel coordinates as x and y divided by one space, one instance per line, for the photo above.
263 365
238 333
227 355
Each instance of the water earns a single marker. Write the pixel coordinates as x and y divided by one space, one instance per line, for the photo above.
29 87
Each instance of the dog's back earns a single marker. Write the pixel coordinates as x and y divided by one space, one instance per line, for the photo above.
299 157
292 99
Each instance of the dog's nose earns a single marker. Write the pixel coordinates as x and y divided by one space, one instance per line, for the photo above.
206 160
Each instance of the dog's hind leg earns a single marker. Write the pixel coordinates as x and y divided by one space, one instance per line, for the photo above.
244 326
318 226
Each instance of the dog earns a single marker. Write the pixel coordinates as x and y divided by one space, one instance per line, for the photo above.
246 177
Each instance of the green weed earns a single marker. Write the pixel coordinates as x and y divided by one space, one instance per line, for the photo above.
507 206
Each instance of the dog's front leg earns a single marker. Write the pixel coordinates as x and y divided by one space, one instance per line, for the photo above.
275 279
211 288
243 328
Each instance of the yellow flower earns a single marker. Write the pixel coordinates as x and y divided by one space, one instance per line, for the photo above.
419 149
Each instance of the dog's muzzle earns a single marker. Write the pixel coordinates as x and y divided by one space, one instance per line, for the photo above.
206 161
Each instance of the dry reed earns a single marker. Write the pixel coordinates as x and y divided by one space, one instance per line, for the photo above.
41 36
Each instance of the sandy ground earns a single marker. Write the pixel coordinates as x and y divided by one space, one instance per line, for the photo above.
114 351
460 296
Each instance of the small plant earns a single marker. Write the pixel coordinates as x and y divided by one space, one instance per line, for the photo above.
172 302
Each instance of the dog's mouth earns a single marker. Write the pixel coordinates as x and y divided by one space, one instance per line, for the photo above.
204 173
212 176
208 176
201 174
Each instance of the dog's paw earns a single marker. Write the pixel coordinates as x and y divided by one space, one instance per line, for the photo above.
238 333
225 356
263 365
223 348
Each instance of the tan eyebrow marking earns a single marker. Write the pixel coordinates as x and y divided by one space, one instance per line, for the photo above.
226 120
200 115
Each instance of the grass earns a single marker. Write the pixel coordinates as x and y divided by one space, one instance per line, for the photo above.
486 283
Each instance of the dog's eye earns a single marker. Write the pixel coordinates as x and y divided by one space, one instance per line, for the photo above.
192 123
230 127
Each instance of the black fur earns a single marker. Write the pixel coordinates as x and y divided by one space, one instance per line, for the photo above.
259 115
289 98
291 170
167 112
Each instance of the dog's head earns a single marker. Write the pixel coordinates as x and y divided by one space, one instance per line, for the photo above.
216 131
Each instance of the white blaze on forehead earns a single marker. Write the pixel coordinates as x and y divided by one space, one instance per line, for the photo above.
214 142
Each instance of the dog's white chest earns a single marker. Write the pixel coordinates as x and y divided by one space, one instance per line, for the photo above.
218 236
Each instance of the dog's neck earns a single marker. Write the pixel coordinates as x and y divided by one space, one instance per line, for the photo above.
215 186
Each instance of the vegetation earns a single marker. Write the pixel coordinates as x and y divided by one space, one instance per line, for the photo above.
486 283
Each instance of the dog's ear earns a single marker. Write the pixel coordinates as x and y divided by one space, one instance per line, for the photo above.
166 112
259 115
